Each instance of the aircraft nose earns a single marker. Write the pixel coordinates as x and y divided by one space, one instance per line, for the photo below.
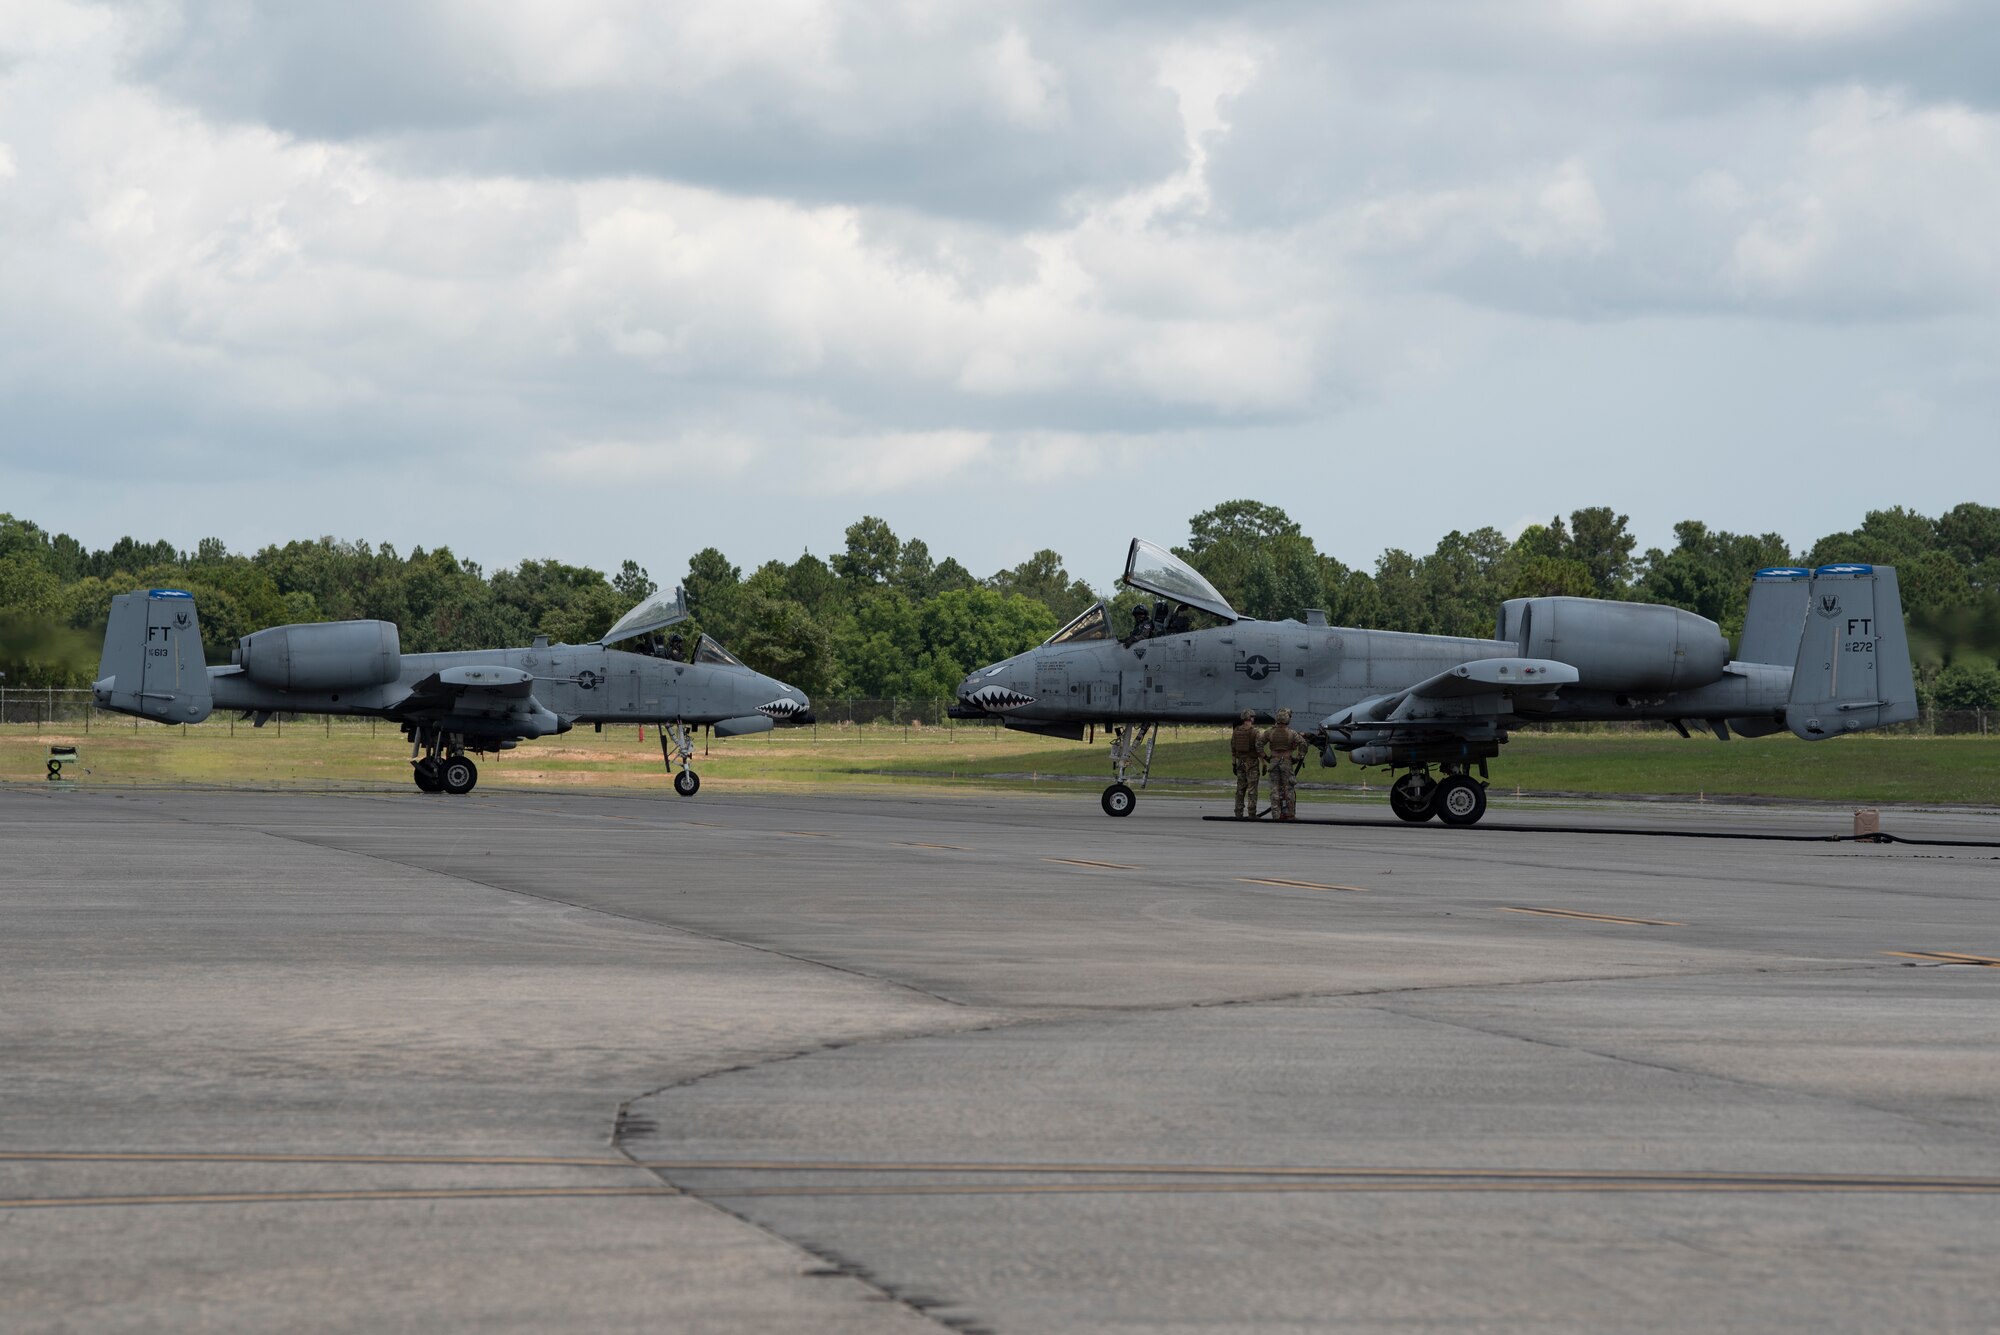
992 691
784 703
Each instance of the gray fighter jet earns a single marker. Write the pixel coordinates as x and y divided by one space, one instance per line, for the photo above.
1823 653
447 704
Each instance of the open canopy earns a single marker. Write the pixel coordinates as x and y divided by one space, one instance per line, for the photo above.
1161 573
656 613
1094 623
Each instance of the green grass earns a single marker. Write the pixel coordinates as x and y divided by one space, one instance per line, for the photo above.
1866 769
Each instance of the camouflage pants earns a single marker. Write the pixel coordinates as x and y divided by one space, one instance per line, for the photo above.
1246 783
1284 797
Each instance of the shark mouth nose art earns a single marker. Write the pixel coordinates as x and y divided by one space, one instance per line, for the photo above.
783 709
998 698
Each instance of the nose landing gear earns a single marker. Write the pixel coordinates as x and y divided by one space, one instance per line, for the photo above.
1119 799
676 743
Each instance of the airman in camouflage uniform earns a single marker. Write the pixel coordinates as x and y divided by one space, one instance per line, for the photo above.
1284 749
1243 758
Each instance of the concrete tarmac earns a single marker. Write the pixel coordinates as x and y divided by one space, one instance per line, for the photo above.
547 1061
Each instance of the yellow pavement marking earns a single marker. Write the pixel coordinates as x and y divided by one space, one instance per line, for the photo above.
959 848
1597 917
1946 957
283 1197
1360 1175
1300 885
1913 1187
1328 1173
1086 862
173 1156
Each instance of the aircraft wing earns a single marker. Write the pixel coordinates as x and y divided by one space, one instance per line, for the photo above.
1471 694
494 699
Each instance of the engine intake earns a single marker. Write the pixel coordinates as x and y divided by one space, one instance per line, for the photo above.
322 656
1618 646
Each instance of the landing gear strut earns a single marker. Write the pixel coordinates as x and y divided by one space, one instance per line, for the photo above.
1456 799
687 783
438 762
1119 799
1410 796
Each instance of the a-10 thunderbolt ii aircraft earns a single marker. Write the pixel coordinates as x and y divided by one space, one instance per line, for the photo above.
447 704
1823 653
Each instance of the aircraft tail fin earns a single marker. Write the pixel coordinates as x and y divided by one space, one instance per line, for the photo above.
152 664
1776 615
1852 669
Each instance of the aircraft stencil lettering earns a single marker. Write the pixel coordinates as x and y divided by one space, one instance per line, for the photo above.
447 704
1424 703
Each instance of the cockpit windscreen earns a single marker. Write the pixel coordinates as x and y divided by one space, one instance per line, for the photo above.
707 650
1093 624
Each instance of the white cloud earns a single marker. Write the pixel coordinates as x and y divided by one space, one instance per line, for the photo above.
1884 205
897 461
1792 18
698 455
950 255
1028 89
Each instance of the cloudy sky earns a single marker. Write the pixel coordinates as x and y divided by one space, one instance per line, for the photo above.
614 278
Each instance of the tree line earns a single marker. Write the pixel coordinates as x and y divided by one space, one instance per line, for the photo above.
884 617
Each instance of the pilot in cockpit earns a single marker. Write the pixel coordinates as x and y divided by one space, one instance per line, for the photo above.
676 650
1142 626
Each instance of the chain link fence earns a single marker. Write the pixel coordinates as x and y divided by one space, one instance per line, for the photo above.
73 710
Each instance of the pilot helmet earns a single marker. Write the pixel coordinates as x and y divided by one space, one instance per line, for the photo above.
1284 716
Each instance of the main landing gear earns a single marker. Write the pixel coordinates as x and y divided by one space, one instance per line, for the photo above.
439 764
1119 799
1456 799
675 742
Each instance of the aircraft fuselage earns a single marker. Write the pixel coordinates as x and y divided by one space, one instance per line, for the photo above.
581 683
1212 675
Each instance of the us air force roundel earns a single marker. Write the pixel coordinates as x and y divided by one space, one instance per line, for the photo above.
1257 667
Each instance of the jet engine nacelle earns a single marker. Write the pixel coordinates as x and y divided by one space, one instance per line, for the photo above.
324 656
1618 646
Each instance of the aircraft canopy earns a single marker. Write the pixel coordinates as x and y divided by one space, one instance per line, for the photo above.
1094 623
707 650
1161 573
656 613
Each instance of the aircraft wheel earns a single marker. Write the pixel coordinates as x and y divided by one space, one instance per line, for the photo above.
687 783
457 774
1119 800
1412 798
425 772
1459 800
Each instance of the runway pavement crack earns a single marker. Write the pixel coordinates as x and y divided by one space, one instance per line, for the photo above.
824 1261
679 929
